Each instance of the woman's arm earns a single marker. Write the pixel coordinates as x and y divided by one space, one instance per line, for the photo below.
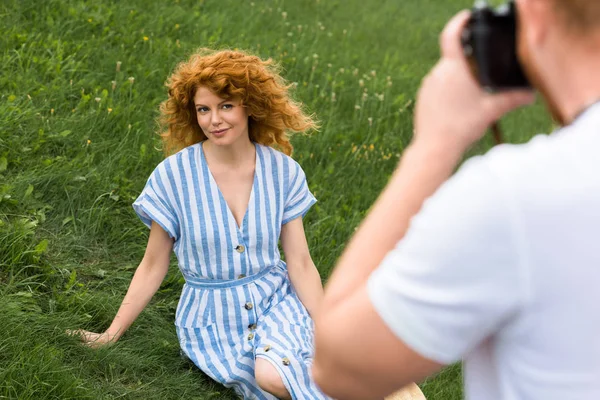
146 281
303 273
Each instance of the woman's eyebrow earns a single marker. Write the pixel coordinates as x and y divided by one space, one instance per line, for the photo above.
203 105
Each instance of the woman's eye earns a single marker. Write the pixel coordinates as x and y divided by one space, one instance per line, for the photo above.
202 110
227 106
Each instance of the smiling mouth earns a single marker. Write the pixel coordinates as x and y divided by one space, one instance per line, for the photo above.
219 131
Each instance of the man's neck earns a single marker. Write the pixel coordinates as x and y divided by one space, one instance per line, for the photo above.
576 82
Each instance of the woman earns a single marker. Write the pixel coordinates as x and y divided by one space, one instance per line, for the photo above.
222 202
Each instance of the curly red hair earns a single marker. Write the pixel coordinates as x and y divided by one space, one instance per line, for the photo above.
273 115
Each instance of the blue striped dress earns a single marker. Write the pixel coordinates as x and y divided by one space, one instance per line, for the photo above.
237 303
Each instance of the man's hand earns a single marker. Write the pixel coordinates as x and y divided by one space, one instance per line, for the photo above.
452 110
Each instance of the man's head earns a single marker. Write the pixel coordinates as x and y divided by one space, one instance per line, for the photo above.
582 16
555 38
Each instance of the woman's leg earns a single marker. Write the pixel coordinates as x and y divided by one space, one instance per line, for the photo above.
269 379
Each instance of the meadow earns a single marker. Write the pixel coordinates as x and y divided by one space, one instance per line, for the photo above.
80 87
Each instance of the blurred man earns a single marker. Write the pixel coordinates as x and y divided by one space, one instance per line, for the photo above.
499 266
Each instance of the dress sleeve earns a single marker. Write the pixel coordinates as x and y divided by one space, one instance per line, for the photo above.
298 198
156 203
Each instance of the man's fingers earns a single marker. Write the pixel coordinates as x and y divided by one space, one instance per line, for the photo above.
502 103
450 38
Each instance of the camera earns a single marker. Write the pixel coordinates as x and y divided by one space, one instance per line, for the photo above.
489 43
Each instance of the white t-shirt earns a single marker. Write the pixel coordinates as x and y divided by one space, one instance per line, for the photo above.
501 268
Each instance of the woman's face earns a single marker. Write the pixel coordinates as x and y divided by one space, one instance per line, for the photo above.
223 121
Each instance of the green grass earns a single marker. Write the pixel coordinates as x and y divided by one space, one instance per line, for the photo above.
78 141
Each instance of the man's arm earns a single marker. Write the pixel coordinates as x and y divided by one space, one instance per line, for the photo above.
452 113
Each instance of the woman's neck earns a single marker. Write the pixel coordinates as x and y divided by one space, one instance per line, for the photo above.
240 152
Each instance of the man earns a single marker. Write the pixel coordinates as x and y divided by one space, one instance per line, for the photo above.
499 268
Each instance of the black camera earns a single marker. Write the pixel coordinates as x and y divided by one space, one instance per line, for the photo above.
489 43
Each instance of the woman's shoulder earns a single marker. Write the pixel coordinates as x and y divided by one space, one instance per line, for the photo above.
172 162
276 156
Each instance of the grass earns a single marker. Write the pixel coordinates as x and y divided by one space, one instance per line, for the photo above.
78 101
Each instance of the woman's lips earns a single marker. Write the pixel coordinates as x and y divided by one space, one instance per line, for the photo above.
220 132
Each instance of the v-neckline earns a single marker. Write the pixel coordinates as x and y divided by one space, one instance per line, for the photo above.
252 190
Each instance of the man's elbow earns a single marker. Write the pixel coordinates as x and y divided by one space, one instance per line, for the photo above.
329 372
322 368
329 382
319 375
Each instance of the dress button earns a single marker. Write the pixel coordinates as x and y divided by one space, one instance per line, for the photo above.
240 248
252 327
251 336
267 347
241 276
285 361
248 306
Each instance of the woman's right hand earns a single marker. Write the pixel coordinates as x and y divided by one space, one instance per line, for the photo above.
146 281
92 339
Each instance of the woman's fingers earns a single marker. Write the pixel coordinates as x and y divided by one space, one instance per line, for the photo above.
90 339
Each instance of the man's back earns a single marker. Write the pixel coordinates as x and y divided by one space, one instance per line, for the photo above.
549 348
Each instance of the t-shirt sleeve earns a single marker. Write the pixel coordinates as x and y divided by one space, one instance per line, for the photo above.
455 278
298 199
156 203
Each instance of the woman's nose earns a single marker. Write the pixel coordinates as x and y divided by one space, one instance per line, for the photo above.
216 118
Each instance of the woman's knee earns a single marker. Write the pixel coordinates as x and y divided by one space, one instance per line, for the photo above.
269 379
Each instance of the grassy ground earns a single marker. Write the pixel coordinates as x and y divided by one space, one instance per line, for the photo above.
79 92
